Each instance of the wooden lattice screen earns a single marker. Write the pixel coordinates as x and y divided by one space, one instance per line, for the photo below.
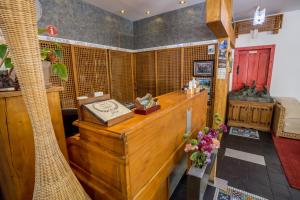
92 70
168 70
145 73
68 96
192 54
272 23
121 76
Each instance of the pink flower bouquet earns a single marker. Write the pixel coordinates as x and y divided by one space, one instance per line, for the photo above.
206 142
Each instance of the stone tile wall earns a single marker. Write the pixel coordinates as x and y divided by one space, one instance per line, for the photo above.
77 20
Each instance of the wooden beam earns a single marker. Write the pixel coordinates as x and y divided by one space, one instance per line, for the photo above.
219 18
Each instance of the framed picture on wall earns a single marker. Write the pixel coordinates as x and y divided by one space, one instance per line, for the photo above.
205 83
203 68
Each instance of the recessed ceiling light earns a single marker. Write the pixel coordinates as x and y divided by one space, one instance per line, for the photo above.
122 11
148 12
182 2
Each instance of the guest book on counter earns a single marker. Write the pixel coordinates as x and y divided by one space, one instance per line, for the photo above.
103 110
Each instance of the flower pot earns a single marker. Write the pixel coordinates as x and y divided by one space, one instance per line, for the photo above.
198 179
47 73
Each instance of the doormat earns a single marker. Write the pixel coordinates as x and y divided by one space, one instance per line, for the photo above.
244 132
235 194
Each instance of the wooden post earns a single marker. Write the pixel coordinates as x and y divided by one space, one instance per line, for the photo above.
219 20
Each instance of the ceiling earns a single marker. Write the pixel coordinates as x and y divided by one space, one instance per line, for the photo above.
135 9
245 8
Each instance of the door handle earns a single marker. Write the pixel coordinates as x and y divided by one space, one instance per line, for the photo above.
238 69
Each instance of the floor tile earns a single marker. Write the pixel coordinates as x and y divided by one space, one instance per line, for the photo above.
280 192
260 190
258 159
278 178
295 194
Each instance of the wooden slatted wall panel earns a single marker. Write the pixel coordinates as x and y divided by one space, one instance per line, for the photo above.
92 70
121 75
192 54
145 73
168 70
272 23
68 96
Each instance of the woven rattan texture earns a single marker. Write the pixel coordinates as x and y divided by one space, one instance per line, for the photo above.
92 70
68 95
54 178
145 73
121 76
168 70
272 23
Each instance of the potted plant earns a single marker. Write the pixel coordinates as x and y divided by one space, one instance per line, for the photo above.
51 62
6 67
52 58
202 151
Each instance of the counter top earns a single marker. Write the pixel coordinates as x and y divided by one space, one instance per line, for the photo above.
19 93
167 101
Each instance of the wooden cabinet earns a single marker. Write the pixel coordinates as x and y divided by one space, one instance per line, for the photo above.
249 114
16 143
133 159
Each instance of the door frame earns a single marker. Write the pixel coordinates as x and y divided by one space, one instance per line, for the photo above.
250 48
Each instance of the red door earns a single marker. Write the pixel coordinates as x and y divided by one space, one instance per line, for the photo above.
253 64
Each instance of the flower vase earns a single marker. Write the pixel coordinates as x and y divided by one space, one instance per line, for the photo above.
198 179
47 73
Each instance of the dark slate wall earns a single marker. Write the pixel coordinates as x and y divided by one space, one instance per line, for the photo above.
175 27
80 21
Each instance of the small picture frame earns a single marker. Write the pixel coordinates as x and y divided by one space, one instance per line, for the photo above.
205 83
203 68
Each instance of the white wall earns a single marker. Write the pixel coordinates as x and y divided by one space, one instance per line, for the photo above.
286 68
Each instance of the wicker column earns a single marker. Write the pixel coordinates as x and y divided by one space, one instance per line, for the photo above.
53 176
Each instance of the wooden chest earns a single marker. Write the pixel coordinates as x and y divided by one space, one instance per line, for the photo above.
250 114
133 159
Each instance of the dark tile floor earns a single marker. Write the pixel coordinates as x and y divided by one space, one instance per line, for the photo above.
266 181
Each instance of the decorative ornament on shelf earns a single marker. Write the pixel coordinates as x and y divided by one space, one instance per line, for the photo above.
146 105
201 148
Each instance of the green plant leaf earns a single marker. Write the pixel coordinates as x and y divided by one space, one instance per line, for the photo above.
42 30
194 142
3 49
58 53
44 53
58 45
60 70
194 156
8 64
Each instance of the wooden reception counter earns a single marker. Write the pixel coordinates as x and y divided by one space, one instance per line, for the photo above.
133 159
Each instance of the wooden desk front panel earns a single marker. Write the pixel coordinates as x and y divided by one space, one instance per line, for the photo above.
17 145
151 145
